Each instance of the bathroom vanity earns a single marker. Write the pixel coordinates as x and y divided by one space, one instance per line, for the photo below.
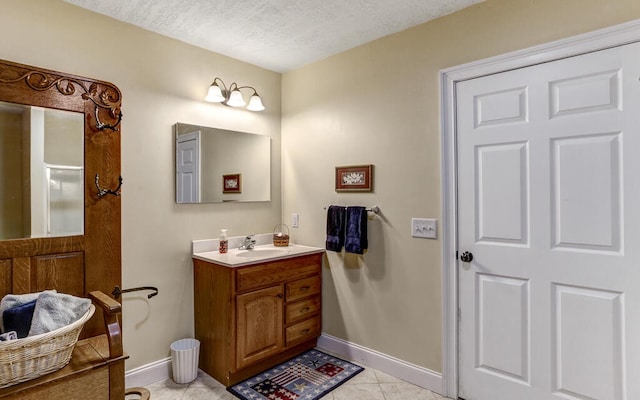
255 308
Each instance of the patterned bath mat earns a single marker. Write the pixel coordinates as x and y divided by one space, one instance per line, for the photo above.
309 376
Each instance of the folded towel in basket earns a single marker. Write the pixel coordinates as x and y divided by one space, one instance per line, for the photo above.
14 300
18 319
55 310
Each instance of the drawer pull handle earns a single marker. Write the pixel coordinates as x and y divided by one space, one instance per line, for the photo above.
305 288
279 295
304 310
304 331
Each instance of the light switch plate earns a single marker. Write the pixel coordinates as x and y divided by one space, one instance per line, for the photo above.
424 228
295 220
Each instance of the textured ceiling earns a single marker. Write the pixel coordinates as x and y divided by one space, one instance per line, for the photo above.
279 35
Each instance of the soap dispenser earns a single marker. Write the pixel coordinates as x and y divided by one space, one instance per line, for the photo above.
224 243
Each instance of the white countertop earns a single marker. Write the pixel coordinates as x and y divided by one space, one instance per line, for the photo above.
261 253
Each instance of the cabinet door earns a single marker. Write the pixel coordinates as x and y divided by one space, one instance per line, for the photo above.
260 330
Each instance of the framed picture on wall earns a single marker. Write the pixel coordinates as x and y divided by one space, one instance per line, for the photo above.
232 183
354 178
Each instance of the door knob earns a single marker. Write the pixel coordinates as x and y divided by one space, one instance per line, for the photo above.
466 257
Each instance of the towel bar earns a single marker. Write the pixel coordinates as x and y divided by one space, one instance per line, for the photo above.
374 209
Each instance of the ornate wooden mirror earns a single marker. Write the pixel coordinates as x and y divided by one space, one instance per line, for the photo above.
89 259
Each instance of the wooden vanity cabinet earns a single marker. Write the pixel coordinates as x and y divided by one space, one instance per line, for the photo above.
259 325
251 318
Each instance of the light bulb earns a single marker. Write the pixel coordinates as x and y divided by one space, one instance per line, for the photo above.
235 99
214 94
255 103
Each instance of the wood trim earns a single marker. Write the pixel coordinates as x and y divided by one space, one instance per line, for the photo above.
116 381
24 280
214 317
302 288
617 35
307 329
40 246
253 277
302 309
25 84
260 321
111 310
6 276
64 272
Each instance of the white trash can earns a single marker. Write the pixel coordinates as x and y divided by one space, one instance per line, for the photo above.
184 360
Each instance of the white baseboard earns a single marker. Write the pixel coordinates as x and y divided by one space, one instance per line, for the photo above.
408 372
161 370
147 374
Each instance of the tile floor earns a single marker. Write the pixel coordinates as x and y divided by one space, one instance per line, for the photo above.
370 384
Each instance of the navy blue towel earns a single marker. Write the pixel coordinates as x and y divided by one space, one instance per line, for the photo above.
356 237
335 228
18 318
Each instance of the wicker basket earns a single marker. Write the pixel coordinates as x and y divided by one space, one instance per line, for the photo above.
281 235
24 359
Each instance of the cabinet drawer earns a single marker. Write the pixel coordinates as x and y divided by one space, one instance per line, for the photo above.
302 288
302 309
304 330
267 274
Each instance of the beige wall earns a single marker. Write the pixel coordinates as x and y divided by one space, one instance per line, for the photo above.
163 81
63 138
379 104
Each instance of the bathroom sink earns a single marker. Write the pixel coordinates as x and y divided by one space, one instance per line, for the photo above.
260 253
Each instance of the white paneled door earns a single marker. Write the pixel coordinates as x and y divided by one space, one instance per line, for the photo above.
188 168
549 219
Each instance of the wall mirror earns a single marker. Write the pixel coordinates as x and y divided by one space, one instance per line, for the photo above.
41 170
216 165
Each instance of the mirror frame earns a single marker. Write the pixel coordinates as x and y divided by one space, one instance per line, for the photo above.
249 179
100 103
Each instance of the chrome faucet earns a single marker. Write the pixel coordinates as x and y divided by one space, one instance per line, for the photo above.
248 243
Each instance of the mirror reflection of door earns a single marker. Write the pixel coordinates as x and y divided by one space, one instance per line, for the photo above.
188 168
65 199
31 138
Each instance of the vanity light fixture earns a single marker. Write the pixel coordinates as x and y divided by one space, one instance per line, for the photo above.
218 93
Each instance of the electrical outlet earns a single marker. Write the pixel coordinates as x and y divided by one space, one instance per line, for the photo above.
295 220
424 228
